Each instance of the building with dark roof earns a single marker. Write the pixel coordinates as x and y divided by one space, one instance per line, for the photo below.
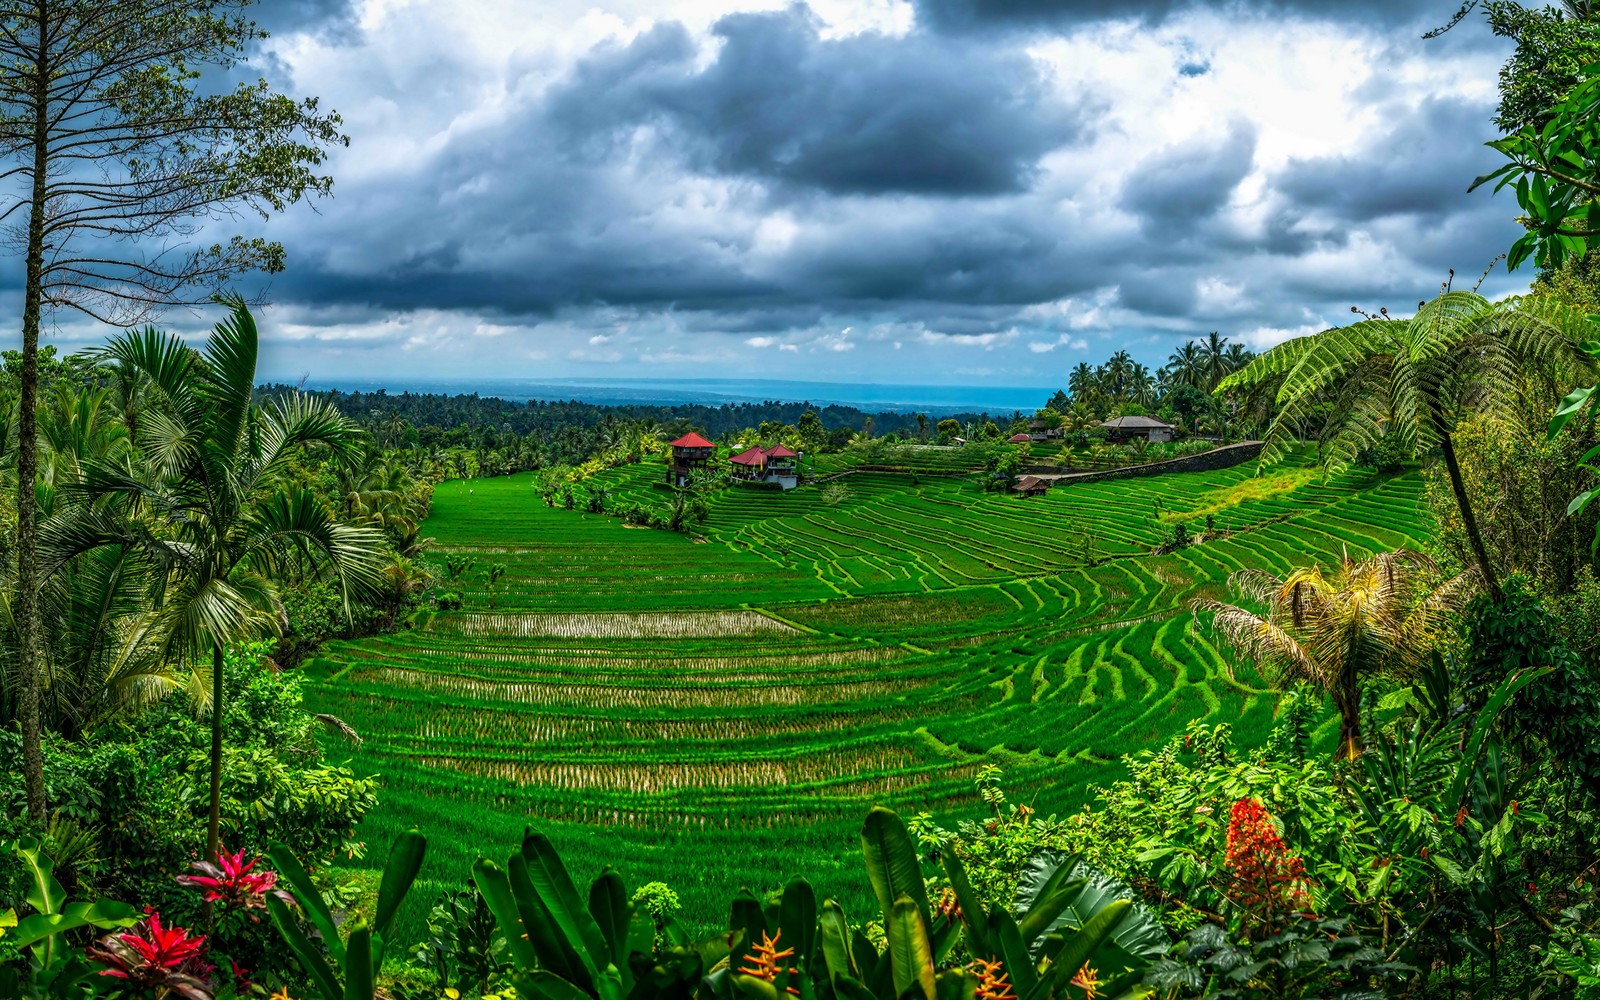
1032 486
1122 429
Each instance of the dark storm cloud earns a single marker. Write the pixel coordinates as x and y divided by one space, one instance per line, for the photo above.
1156 293
1173 191
864 114
332 20
966 15
1419 166
775 185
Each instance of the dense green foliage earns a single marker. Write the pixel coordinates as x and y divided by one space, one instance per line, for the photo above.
623 684
1106 708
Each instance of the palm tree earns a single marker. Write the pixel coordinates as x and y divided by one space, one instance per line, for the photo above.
1376 616
75 426
90 665
1186 365
1141 387
1236 357
1114 375
1081 381
208 504
1413 378
1213 360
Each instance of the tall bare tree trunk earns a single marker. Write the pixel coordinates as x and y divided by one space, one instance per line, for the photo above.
1470 522
214 819
1349 705
27 614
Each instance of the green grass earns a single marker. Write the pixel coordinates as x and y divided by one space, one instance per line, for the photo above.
720 712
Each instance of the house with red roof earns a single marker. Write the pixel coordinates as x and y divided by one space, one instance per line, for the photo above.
767 465
691 454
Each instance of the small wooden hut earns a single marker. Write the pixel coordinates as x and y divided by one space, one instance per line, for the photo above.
690 454
1032 486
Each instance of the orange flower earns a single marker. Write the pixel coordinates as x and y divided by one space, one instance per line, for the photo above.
766 961
992 981
1087 980
1267 879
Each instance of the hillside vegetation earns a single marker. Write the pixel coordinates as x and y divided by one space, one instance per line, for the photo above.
724 707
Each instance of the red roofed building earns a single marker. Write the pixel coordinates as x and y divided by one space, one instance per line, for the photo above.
1018 439
768 465
690 454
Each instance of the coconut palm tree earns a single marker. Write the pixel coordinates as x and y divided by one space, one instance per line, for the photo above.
1081 381
1115 373
1236 357
1413 378
207 503
1186 365
1375 616
1213 360
1141 387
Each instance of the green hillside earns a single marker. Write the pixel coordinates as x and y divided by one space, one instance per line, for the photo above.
714 703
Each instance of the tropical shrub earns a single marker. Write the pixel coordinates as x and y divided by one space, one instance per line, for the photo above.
138 788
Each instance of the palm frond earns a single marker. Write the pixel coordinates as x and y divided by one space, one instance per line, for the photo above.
163 358
229 375
1262 642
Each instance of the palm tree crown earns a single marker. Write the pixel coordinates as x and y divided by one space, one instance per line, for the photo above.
1375 616
208 506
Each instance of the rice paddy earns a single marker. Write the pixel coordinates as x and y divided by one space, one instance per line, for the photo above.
719 711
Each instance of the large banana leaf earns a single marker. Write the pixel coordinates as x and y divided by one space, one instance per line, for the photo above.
892 863
910 952
1082 894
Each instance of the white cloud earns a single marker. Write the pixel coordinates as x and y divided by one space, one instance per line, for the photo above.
460 205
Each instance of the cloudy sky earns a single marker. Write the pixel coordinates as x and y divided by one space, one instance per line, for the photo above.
942 191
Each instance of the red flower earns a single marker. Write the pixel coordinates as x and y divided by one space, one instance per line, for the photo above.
1267 880
234 881
153 957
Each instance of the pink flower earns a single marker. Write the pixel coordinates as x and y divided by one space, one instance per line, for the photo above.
153 957
234 882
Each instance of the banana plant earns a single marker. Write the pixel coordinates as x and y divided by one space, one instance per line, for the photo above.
344 968
53 969
564 947
561 946
1047 954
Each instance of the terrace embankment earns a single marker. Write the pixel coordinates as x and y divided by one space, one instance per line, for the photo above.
1226 457
726 711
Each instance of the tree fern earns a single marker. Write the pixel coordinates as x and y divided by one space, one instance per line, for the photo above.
1412 378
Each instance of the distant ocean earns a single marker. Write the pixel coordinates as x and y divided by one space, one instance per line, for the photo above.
714 392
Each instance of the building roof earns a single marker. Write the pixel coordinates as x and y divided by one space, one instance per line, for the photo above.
1029 483
691 440
1018 438
779 451
750 456
1136 424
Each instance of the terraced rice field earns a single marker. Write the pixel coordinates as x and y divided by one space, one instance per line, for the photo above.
695 710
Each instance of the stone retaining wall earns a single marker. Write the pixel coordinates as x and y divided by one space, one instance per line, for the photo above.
1225 457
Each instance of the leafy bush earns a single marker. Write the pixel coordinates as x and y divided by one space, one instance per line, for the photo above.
139 787
1385 456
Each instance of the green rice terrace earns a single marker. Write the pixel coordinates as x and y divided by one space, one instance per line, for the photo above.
724 708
